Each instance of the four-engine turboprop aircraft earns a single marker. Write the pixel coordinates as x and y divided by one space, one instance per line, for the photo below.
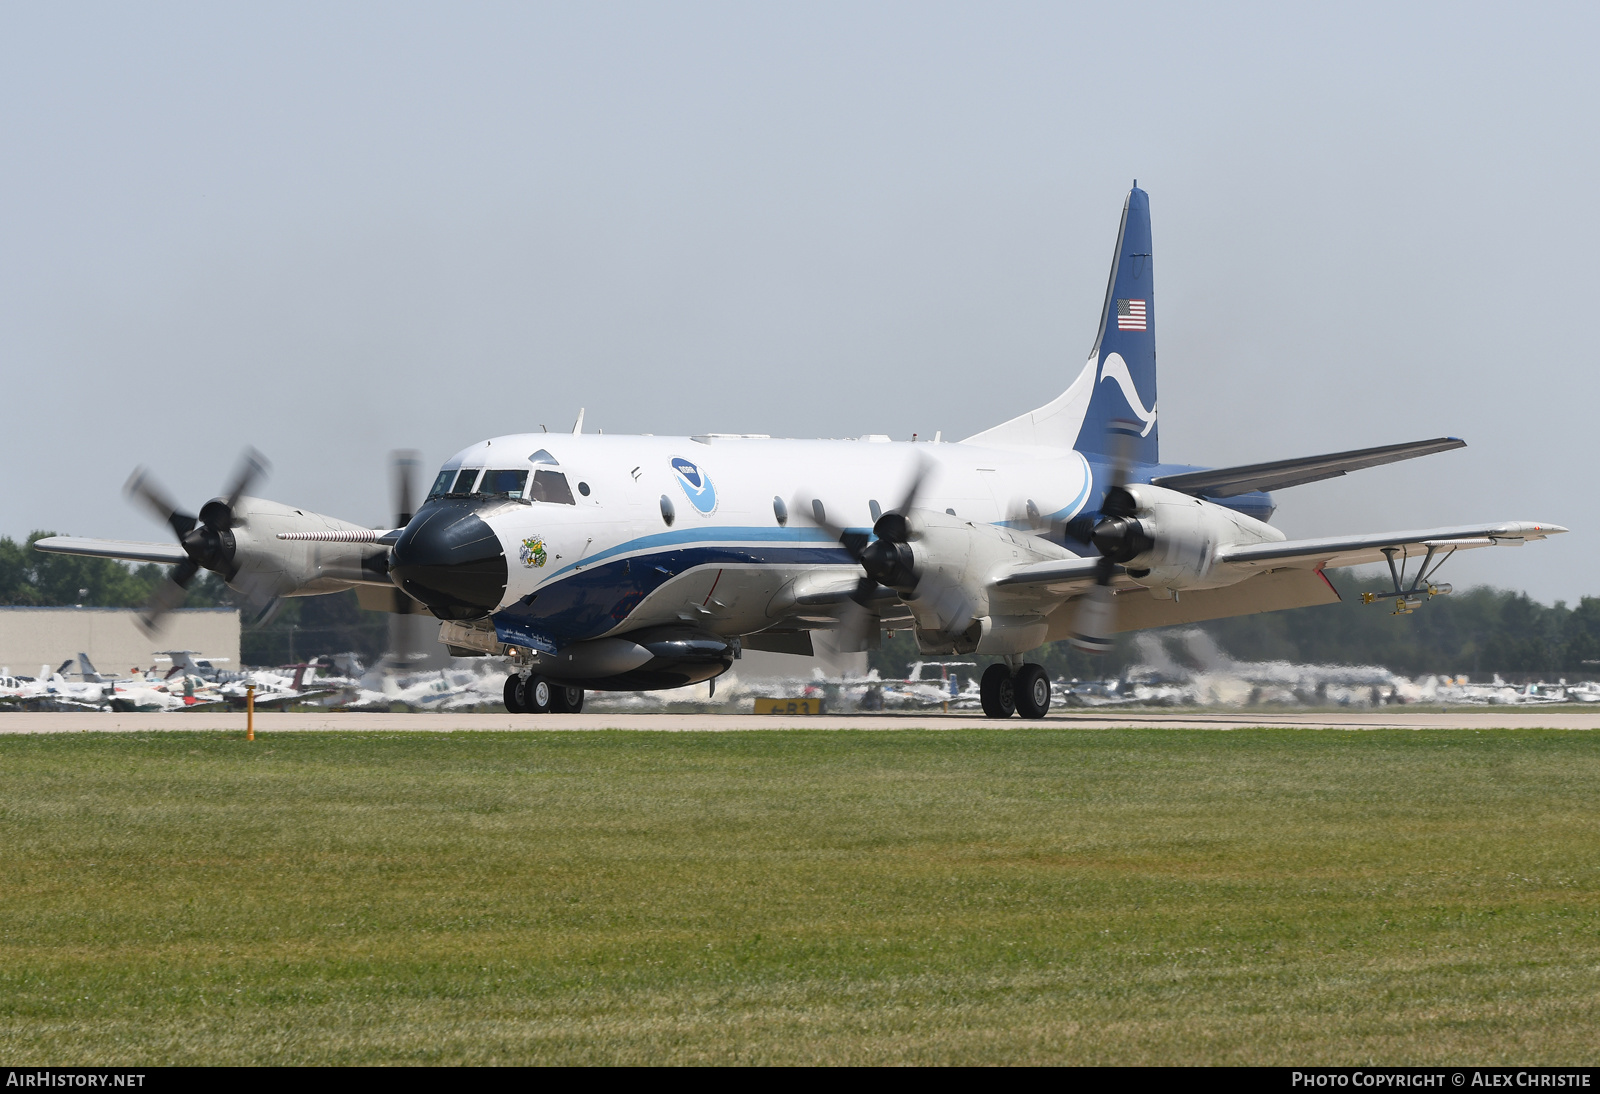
628 563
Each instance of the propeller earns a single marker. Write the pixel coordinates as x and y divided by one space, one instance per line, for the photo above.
885 557
207 540
1119 537
404 648
404 465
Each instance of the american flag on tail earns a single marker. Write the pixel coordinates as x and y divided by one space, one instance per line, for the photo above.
1130 315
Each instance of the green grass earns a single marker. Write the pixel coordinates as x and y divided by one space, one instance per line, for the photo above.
1265 896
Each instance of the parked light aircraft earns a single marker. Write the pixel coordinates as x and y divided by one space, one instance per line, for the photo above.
642 562
53 691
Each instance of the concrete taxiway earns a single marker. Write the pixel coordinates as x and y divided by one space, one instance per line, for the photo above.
270 722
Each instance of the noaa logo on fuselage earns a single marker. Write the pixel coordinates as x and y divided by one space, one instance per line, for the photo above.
696 485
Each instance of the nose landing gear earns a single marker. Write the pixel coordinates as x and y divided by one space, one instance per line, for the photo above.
1025 692
527 694
535 695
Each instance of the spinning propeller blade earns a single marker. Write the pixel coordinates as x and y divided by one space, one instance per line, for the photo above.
881 555
142 487
404 647
1117 535
404 465
252 465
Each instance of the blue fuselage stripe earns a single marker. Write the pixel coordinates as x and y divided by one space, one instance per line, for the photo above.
595 597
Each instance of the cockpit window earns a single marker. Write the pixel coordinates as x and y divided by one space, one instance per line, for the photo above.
543 456
547 486
441 485
504 484
551 486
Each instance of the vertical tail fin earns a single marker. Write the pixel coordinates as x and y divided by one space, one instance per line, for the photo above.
1124 353
1118 384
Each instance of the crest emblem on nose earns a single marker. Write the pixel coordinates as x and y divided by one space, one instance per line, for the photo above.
533 553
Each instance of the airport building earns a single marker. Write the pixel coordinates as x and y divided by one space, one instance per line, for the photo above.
30 637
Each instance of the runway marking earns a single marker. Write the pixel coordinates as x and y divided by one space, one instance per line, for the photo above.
272 721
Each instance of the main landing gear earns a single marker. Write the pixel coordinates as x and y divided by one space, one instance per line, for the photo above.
1025 692
536 695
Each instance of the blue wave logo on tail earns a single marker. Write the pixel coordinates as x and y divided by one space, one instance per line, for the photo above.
1115 368
696 485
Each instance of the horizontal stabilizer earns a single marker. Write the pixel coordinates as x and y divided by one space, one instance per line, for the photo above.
1227 482
165 553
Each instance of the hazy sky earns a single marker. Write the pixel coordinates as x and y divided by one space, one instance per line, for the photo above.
334 230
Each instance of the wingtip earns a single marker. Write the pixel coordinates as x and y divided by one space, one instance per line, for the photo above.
1527 529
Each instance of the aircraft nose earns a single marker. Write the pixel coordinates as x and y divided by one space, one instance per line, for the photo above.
452 561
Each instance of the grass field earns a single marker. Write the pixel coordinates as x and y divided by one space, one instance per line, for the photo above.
1270 896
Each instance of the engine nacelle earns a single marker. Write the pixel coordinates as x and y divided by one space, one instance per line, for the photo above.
1178 538
259 564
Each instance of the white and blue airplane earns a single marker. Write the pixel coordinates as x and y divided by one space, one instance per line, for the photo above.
641 562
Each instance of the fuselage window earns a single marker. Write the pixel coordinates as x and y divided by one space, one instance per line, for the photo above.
464 480
503 484
441 485
551 486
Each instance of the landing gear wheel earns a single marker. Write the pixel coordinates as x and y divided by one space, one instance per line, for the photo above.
565 700
1031 685
536 695
514 694
998 693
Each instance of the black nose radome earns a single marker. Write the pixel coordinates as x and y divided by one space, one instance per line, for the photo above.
451 561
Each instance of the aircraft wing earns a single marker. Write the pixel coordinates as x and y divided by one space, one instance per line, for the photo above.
1339 551
1068 577
166 553
282 697
1227 482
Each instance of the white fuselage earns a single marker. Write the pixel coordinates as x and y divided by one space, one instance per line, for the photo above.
611 561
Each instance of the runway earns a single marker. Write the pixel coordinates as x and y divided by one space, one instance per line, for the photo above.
270 722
